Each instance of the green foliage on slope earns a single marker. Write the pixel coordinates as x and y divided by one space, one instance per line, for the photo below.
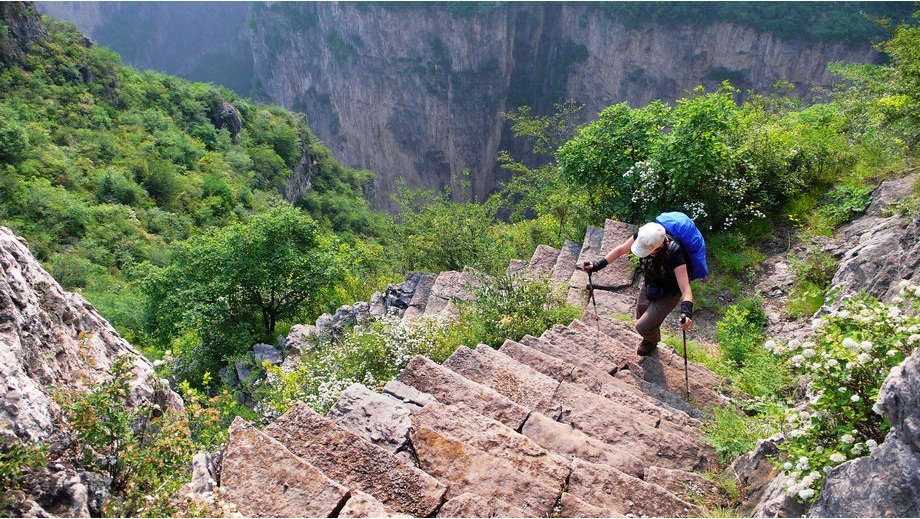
103 167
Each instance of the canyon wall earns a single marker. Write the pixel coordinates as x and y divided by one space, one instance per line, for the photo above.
415 91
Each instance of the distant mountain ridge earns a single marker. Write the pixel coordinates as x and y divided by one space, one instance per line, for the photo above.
415 92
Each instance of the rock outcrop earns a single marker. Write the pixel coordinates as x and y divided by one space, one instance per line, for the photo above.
54 339
51 340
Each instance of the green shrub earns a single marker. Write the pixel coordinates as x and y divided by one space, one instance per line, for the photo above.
853 350
732 433
740 331
371 355
145 450
17 462
510 308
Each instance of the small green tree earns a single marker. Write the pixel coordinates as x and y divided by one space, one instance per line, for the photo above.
232 286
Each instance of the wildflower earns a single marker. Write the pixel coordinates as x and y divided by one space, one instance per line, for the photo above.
769 345
857 449
850 344
871 445
864 358
817 324
891 353
854 398
787 466
847 438
808 353
806 493
866 346
838 458
819 449
831 363
797 360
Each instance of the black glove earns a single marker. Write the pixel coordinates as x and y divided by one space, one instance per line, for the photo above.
597 265
686 310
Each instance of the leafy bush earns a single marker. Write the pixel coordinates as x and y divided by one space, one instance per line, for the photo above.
17 461
814 274
232 286
510 308
371 355
732 433
853 350
740 331
145 450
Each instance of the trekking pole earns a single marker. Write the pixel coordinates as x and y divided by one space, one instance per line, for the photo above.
597 317
683 319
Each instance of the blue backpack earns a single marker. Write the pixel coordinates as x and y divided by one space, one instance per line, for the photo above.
681 227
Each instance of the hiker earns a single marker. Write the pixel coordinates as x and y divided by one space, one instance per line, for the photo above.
667 282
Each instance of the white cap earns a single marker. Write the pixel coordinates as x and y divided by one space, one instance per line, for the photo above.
650 237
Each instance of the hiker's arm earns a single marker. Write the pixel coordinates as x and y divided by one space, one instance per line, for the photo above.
686 295
618 251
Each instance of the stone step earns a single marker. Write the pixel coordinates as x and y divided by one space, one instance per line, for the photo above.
362 504
542 261
666 369
565 440
467 469
608 354
450 284
650 439
408 396
639 372
596 381
345 457
420 297
264 478
607 487
375 417
508 447
578 356
590 251
565 264
468 504
516 267
448 386
519 382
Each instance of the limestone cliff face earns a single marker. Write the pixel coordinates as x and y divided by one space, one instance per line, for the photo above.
415 92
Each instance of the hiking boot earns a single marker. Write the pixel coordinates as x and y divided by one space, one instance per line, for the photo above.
646 348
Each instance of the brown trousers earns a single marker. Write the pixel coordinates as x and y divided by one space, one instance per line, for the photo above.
650 313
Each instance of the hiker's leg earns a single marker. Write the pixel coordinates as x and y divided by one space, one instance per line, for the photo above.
642 302
649 322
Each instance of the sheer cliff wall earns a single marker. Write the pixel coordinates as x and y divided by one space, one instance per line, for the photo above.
415 93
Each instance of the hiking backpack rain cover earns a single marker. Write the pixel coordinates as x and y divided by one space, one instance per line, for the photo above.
681 227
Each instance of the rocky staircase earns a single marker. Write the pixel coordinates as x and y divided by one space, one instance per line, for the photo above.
569 424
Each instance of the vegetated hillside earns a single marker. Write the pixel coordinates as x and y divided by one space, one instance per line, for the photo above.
426 81
104 166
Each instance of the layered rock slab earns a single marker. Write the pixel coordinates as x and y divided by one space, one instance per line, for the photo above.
356 463
265 479
597 416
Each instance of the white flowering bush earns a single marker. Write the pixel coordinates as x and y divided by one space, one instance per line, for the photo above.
371 355
851 353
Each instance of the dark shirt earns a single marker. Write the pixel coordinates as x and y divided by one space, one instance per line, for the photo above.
658 271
